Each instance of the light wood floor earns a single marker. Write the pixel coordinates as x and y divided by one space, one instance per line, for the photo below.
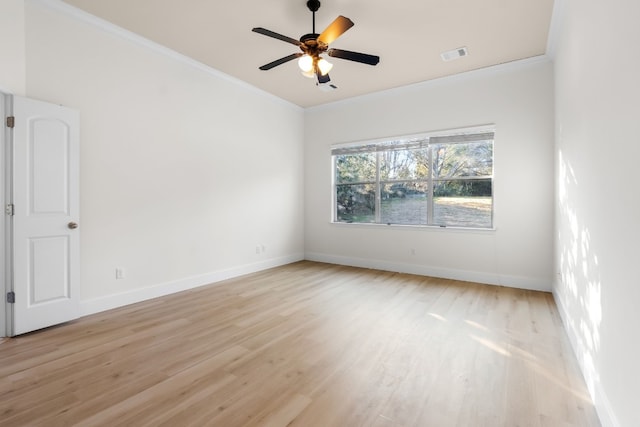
304 345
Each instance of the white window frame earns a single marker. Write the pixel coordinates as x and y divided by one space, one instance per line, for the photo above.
459 135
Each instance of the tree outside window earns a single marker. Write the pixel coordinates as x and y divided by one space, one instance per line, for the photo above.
443 180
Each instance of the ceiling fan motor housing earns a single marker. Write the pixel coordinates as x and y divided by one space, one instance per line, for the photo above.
312 46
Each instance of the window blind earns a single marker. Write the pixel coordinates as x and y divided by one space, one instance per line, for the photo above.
408 144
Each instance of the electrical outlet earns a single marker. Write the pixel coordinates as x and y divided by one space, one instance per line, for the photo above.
119 273
258 249
413 251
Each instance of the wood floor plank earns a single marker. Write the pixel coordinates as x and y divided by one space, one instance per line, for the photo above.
307 344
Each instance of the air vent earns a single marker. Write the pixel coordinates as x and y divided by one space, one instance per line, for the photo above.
450 55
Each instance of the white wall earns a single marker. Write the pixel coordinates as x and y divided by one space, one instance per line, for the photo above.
12 47
597 152
518 99
183 170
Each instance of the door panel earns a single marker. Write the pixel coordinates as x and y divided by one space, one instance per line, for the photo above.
45 196
49 168
49 264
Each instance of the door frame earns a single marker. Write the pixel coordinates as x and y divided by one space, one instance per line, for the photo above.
6 312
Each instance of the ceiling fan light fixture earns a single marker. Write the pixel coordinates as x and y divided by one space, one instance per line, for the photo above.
309 74
305 63
324 66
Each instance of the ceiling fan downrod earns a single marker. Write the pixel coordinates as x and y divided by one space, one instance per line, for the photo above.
313 6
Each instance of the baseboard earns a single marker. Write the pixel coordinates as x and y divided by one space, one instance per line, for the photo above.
598 395
529 283
109 302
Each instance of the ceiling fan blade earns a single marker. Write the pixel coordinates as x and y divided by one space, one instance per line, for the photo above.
281 61
322 79
335 29
270 33
354 56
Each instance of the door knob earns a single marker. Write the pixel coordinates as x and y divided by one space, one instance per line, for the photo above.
72 225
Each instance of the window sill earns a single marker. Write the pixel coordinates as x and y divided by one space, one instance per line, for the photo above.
416 227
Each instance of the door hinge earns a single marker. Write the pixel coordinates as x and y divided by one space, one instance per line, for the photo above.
11 121
11 297
10 210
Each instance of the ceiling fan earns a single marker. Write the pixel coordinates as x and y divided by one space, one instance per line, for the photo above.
313 45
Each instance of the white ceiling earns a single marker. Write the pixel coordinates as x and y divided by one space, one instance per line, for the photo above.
408 35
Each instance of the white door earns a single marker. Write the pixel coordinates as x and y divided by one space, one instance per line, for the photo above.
45 195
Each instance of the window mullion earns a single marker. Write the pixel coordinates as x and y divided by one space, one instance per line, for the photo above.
334 197
430 185
378 215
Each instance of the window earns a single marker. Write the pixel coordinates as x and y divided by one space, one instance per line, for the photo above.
443 179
